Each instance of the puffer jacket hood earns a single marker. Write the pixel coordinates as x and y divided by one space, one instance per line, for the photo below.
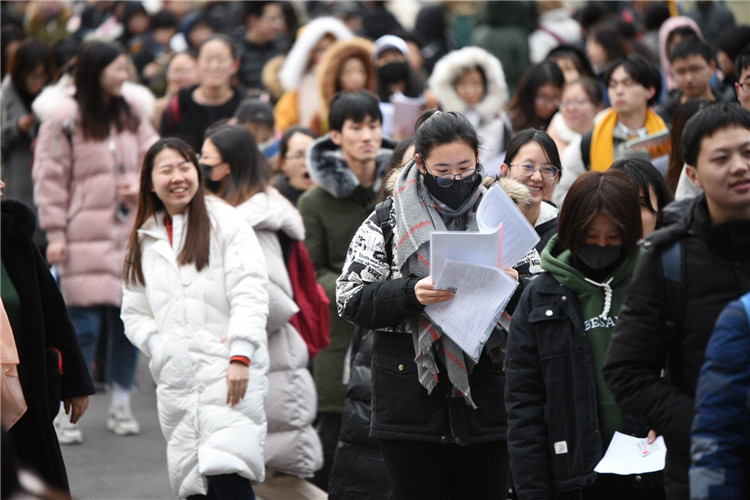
270 211
295 64
456 63
518 191
330 66
664 30
57 103
329 169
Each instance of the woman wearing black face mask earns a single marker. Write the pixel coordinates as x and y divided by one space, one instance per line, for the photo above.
437 415
561 415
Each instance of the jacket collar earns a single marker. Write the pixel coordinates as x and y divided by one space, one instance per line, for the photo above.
330 171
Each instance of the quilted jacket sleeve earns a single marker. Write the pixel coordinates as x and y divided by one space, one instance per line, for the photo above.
51 175
136 314
366 294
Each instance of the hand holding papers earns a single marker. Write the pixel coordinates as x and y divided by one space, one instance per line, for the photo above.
631 455
470 263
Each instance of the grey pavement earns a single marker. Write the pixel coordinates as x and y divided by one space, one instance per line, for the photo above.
113 467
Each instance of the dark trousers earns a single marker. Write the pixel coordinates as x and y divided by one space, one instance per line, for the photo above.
328 426
446 471
227 487
616 487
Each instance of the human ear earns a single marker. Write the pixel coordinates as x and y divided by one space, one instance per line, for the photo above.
420 163
692 173
336 137
503 169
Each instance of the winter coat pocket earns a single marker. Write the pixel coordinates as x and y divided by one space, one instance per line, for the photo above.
398 397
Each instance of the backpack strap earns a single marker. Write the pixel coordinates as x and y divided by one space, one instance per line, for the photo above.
383 215
586 150
672 264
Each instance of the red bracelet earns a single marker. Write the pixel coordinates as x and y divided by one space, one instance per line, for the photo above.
242 359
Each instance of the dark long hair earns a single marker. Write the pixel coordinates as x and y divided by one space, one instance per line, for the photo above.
198 234
681 117
248 169
98 114
521 108
28 57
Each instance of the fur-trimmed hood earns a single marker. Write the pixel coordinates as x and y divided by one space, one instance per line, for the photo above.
18 219
330 66
295 64
57 104
518 191
330 171
454 64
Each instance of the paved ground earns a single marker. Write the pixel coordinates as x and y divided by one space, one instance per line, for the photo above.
110 467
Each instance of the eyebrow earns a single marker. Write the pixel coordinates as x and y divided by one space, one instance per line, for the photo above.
723 149
462 162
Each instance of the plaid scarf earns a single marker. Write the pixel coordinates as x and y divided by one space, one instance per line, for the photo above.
418 214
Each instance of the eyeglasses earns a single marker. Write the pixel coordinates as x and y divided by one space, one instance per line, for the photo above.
742 85
544 99
548 172
446 180
574 104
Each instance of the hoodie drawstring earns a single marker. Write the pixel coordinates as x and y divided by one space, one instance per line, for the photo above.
607 295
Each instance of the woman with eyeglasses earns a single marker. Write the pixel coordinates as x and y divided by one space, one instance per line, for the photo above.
533 160
437 414
561 415
537 97
580 102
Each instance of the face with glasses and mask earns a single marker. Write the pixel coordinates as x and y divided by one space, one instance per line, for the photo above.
531 167
450 172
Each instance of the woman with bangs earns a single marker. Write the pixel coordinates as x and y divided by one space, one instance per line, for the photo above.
195 302
559 335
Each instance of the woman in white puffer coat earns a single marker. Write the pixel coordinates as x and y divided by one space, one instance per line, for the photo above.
471 81
195 300
240 175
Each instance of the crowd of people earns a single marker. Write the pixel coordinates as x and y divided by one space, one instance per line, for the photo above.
167 170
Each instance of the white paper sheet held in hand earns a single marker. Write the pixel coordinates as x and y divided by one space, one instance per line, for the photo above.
481 293
632 455
519 236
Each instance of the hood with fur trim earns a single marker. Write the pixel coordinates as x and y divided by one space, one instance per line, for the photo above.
295 64
329 169
57 104
518 191
330 66
454 64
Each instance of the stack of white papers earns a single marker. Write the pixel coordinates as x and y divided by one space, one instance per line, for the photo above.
470 263
632 455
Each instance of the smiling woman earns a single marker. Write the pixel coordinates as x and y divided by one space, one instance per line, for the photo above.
209 346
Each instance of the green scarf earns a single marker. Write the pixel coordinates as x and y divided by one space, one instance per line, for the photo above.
600 306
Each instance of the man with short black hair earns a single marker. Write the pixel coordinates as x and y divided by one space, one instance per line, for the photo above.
693 65
633 86
348 165
693 266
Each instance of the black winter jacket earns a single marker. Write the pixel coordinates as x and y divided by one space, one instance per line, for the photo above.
45 333
716 270
550 396
402 408
358 471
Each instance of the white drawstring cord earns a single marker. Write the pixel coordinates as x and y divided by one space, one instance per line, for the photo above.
607 295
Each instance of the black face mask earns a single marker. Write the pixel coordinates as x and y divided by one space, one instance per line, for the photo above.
597 257
393 72
455 194
211 185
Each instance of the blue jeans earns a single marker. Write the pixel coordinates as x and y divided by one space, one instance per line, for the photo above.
122 356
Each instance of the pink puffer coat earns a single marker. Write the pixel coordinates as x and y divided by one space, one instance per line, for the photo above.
75 190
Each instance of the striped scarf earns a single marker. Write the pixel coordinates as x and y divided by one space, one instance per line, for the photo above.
418 214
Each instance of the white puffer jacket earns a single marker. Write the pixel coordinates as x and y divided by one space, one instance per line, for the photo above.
292 445
190 323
